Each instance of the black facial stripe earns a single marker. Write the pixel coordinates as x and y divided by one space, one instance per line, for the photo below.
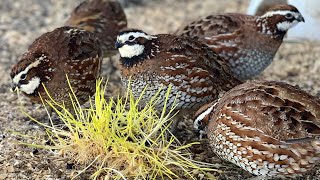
129 62
130 42
24 81
291 20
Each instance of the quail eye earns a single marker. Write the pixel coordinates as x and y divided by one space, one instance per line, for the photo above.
289 16
23 76
131 38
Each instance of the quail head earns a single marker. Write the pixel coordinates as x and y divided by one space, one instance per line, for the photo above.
267 128
265 5
63 51
105 18
248 43
195 73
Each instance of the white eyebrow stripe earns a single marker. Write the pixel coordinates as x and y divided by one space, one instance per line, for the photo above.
32 85
202 115
16 78
125 37
280 12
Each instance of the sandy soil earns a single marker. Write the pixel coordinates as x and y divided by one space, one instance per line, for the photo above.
22 21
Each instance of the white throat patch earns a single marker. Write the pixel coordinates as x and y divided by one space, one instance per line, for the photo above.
284 26
32 85
128 51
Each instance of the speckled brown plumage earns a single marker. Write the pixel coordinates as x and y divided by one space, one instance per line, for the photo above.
105 18
63 51
247 42
197 75
267 128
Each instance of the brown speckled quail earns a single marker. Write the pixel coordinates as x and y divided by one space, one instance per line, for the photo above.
105 18
197 75
63 51
267 128
248 43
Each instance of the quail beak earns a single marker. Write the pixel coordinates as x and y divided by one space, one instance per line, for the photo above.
301 19
14 88
118 45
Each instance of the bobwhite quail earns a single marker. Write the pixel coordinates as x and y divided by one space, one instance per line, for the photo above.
248 43
63 51
267 128
195 73
104 18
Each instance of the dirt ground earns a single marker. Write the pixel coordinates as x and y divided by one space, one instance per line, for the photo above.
22 21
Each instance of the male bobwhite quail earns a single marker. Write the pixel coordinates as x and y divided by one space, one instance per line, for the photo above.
65 51
155 62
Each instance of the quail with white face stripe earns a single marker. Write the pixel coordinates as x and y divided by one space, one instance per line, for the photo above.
63 51
248 43
195 73
267 128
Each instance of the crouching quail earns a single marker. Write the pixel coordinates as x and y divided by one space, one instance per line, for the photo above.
104 18
195 73
248 43
267 128
63 51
